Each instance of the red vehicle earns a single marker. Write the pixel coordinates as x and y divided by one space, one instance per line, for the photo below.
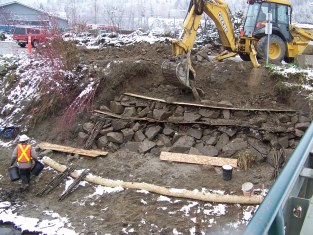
38 35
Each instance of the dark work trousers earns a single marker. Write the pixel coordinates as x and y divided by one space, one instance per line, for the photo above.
25 175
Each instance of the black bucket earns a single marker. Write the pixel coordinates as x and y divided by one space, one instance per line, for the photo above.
37 168
227 172
14 173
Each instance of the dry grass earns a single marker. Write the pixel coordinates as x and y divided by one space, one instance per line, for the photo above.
245 159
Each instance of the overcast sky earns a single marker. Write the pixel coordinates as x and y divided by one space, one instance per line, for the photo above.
85 9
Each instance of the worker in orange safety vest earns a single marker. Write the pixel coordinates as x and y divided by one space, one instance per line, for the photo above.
24 154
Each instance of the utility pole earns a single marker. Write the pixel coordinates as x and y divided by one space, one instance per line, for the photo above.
95 11
268 31
73 13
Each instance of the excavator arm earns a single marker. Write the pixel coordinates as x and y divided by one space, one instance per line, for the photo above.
219 12
178 70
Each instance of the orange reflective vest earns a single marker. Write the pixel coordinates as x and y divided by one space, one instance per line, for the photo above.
24 153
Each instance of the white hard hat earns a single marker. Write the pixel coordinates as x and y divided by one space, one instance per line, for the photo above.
24 138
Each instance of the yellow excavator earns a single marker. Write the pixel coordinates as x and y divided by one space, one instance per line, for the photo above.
285 43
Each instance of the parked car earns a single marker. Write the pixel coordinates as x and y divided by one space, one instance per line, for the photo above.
38 35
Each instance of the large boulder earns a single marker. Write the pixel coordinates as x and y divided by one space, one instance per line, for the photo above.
235 145
183 144
152 132
146 146
115 137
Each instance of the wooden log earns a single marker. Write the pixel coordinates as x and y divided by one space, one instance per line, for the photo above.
172 192
67 149
198 159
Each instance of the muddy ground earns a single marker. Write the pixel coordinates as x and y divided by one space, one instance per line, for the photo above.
133 212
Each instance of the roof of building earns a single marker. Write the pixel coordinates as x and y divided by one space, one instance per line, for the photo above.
39 10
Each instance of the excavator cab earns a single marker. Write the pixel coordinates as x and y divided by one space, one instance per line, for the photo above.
254 26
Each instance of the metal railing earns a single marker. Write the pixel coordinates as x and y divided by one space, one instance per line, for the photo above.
284 209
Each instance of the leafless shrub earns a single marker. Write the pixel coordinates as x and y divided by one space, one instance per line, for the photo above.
61 54
57 86
82 104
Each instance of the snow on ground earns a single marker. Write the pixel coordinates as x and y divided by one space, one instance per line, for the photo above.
112 39
292 70
54 226
61 225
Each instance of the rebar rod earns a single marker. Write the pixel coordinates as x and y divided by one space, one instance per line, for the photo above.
74 185
55 182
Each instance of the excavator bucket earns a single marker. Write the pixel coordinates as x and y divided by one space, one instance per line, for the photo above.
176 72
305 59
308 50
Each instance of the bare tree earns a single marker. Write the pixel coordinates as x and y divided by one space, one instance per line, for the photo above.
112 13
71 12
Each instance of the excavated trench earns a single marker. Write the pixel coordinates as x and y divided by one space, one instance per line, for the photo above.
242 118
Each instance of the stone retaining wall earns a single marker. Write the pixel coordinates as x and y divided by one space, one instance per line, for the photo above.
145 136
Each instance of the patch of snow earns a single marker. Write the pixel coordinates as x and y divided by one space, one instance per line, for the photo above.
143 191
6 144
248 212
186 209
70 180
100 190
175 232
143 221
143 202
162 208
164 199
56 226
5 204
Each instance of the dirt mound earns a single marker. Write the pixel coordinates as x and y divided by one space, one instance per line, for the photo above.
137 69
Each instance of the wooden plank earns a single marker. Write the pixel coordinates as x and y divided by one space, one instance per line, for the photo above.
67 149
198 159
208 106
145 97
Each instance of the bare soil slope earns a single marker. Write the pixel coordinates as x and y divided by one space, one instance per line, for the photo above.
232 80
